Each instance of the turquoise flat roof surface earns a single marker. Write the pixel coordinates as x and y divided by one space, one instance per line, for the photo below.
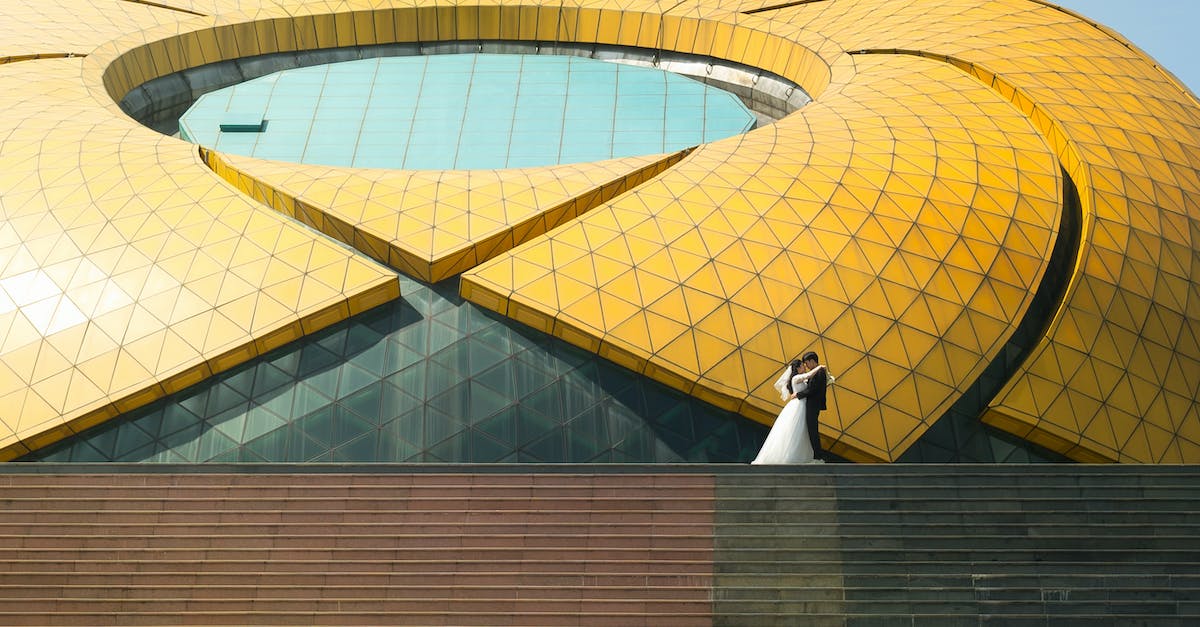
464 111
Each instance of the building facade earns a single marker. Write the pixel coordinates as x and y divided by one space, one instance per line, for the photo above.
983 221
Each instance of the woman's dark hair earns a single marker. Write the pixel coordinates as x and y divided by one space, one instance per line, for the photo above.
796 364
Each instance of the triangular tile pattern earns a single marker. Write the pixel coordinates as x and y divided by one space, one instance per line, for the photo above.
435 224
425 378
129 272
791 237
1110 380
1121 353
1090 94
1107 384
31 30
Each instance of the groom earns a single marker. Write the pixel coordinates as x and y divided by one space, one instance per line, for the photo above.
815 402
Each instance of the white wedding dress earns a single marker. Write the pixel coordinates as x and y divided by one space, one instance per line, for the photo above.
788 443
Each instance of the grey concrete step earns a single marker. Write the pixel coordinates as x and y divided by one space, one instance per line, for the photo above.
725 545
903 567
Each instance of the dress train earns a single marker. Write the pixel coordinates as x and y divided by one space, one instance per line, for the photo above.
787 443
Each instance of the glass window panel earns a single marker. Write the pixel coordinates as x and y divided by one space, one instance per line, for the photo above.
533 425
441 336
367 402
394 448
439 379
58 454
222 398
407 97
259 421
409 427
638 443
502 426
501 378
587 437
411 380
396 402
547 400
485 450
455 357
314 358
361 337
184 441
530 377
308 399
482 356
105 442
268 377
211 443
678 420
231 424
318 426
457 446
288 358
439 426
325 380
334 341
455 401
398 357
364 447
281 407
280 402
575 399
669 446
485 402
353 379
246 455
302 448
241 379
550 446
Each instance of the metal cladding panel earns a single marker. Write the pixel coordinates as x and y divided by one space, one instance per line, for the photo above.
899 224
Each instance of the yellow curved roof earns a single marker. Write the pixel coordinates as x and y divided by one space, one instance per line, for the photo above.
899 224
433 224
799 245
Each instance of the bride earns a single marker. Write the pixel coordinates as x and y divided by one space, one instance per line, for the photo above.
788 443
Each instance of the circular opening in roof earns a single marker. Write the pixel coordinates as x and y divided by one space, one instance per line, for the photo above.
463 111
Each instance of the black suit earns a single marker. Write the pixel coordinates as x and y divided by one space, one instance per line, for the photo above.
814 402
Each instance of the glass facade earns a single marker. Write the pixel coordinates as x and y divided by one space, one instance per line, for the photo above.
463 111
426 378
430 378
903 221
960 435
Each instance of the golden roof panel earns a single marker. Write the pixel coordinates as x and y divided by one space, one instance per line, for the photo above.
900 223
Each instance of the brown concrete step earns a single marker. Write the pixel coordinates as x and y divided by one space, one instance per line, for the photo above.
337 549
447 604
485 536
497 618
501 587
226 517
349 531
584 564
525 554
343 580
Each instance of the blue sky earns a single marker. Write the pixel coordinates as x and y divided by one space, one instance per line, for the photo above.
1168 30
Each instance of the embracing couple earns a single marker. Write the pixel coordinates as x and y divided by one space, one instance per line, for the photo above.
794 438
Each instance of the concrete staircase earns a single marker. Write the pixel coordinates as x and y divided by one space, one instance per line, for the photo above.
355 549
959 545
599 545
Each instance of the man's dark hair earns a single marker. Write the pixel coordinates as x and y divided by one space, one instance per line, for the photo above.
810 355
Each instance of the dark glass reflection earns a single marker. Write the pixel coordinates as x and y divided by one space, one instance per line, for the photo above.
427 378
959 435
